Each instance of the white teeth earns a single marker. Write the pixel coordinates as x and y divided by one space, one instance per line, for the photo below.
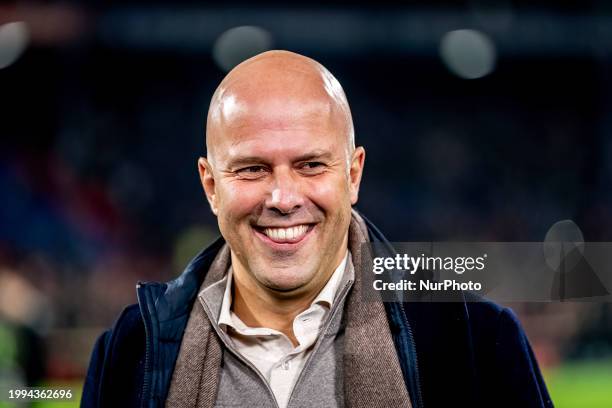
286 234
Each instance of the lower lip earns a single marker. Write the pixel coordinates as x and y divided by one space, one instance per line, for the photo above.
285 246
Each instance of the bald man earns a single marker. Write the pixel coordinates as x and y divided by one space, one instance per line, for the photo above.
272 314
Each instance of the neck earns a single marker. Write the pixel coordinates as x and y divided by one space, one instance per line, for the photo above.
259 306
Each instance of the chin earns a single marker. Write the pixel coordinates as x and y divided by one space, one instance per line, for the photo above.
285 281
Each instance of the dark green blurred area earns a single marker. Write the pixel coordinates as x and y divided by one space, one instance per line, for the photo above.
585 384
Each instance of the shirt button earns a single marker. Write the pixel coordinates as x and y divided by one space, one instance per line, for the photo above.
285 365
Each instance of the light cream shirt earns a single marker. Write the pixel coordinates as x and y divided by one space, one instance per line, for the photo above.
271 351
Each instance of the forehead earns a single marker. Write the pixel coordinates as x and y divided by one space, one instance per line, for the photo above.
273 111
274 121
279 130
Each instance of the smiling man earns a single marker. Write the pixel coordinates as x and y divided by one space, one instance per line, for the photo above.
281 175
272 314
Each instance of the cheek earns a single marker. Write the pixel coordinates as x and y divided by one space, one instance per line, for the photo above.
238 199
332 199
331 193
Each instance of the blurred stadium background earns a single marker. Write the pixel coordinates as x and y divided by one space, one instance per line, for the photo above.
483 121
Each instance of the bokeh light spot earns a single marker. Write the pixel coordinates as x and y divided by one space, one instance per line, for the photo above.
14 38
469 54
240 43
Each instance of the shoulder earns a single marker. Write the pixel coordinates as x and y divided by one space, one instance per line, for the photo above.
129 320
505 358
483 313
126 339
116 366
126 335
489 318
495 330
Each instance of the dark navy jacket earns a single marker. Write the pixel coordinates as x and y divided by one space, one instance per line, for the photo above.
463 354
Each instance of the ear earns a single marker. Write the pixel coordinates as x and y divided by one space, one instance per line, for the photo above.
355 173
207 179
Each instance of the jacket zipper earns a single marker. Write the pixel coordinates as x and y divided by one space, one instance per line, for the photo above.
418 398
147 375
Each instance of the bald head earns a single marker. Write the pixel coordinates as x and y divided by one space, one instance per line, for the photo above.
282 174
276 90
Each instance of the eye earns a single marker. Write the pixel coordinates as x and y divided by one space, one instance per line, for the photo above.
312 167
251 172
252 169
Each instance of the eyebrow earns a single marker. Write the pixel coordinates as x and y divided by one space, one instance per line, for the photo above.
316 154
313 155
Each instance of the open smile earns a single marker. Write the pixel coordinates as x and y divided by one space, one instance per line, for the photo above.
285 236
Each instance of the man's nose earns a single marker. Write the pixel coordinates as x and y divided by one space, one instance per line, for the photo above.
285 196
